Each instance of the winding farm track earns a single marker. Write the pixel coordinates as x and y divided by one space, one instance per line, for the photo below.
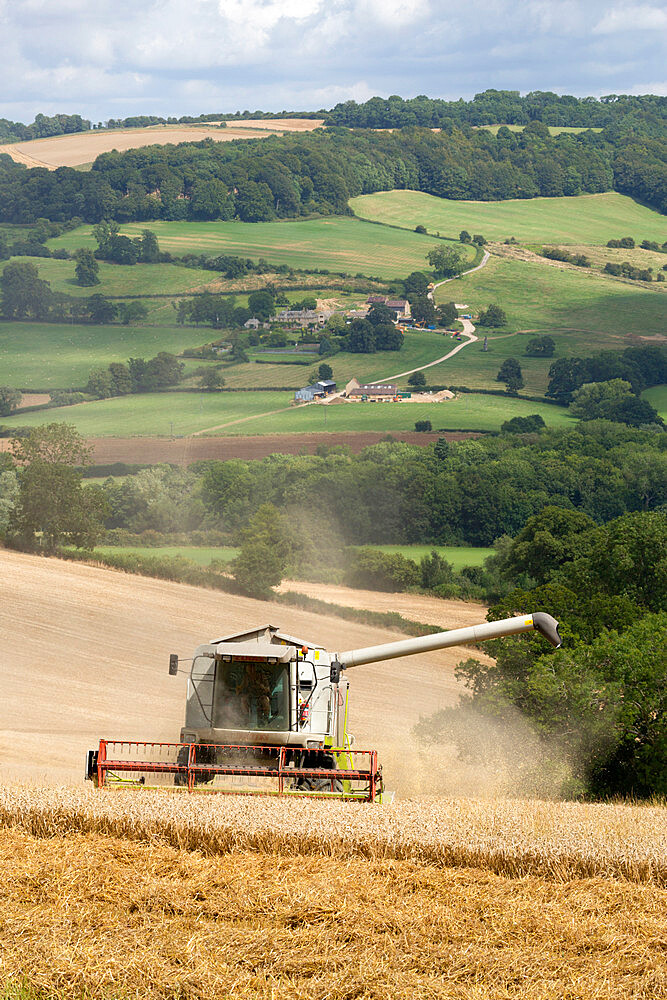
468 329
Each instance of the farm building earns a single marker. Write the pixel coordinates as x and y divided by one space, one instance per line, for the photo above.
375 392
400 307
316 391
304 317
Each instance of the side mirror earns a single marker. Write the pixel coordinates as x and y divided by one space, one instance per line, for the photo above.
173 664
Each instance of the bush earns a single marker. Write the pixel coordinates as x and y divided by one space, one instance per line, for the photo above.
523 425
493 316
375 570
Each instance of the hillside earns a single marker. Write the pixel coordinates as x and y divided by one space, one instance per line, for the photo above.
85 653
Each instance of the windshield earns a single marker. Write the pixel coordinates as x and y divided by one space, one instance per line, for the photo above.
251 696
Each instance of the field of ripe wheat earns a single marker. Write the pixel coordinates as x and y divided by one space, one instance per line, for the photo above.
120 895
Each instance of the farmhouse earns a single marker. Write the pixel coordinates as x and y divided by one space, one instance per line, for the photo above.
316 391
304 317
400 307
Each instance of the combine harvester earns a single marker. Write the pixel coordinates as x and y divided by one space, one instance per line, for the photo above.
267 714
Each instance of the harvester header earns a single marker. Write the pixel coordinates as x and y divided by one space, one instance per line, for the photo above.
267 712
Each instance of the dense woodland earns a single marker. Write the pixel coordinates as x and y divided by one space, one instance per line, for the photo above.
300 174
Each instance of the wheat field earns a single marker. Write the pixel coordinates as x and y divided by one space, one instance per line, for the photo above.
117 895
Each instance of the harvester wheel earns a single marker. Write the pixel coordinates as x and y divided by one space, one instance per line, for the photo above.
319 784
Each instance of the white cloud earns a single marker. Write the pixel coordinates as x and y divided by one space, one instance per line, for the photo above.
632 18
109 57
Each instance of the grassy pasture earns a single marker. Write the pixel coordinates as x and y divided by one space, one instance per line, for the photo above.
60 355
589 218
202 555
419 348
337 243
657 396
583 312
458 555
120 279
240 413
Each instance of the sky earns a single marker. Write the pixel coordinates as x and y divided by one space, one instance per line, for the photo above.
113 58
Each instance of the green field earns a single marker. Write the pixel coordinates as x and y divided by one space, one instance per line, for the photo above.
243 413
584 313
203 555
120 279
458 555
420 348
657 396
589 218
337 244
59 356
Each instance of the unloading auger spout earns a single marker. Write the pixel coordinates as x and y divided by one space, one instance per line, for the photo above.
539 622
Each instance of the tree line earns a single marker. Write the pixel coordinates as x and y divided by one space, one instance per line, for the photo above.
493 107
294 175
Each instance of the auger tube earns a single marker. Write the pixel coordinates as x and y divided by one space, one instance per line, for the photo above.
540 622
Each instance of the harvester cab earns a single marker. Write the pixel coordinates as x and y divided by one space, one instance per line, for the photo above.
267 713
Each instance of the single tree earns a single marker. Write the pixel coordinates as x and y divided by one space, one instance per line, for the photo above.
540 347
379 314
264 556
446 261
417 379
361 338
465 237
101 310
54 507
423 310
149 248
493 316
510 369
423 425
388 337
212 380
415 285
324 372
87 268
132 312
261 305
9 400
24 293
447 313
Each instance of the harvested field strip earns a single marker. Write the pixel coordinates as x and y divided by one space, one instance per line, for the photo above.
509 837
100 917
80 148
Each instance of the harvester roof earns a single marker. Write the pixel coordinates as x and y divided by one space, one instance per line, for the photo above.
267 634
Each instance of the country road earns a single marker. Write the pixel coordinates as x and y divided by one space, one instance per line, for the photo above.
478 267
468 331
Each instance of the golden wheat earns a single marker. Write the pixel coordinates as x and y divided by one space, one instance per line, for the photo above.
509 837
